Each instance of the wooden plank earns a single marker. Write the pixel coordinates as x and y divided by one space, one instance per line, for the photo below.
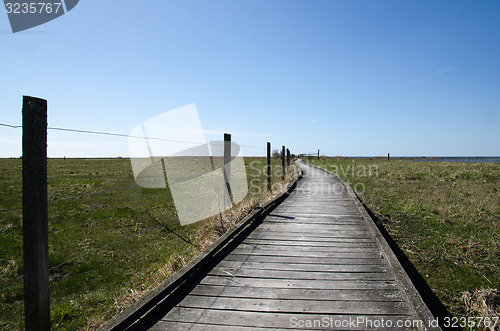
244 265
331 284
299 243
304 249
329 255
372 295
295 306
321 214
304 275
189 326
303 260
313 204
315 228
318 233
309 251
323 236
313 218
317 222
326 210
276 236
271 320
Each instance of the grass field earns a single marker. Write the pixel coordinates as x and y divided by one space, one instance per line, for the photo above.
445 216
97 216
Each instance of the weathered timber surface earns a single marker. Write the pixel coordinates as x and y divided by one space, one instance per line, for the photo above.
316 262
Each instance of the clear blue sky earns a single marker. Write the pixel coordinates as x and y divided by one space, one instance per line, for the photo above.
348 77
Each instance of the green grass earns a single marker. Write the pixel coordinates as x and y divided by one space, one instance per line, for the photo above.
90 290
445 216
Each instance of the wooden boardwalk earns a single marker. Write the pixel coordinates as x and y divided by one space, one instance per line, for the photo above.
316 262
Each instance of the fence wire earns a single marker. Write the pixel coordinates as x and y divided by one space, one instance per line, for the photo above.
118 135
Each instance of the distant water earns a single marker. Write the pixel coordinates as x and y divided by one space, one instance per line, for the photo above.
435 158
456 159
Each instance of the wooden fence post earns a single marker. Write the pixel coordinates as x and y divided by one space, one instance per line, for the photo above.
269 166
35 215
283 162
227 162
287 160
388 156
318 154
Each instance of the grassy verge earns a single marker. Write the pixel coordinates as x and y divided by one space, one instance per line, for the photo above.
104 250
445 216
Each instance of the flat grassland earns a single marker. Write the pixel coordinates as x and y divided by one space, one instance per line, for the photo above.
104 249
445 216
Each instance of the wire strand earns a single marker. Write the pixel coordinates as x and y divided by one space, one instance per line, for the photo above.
11 126
119 135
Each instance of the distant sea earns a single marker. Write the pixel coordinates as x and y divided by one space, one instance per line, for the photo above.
456 159
436 158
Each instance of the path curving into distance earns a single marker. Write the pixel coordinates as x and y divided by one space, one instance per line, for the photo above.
316 262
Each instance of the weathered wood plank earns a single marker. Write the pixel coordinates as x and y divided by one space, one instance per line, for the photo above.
300 294
333 284
303 249
181 326
243 265
276 236
303 260
313 276
295 306
293 227
313 237
300 243
332 254
274 321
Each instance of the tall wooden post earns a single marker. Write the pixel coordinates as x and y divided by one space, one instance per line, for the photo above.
35 215
269 166
287 160
283 162
388 156
318 154
227 162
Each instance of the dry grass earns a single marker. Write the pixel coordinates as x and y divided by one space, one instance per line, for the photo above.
483 303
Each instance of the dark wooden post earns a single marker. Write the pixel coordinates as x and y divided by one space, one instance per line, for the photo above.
283 162
318 154
388 156
269 166
35 215
227 162
287 160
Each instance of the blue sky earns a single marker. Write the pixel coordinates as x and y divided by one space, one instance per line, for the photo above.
348 77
